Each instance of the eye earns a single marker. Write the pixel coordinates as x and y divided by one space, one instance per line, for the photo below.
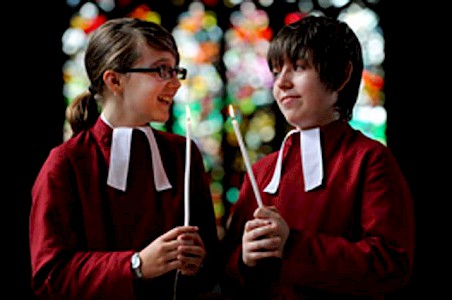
164 69
300 65
276 72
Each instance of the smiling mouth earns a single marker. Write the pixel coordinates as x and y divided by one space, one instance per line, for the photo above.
286 100
166 100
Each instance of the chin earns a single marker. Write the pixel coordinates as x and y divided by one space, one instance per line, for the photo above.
162 121
291 120
161 118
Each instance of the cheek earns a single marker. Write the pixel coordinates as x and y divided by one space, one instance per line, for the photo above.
275 92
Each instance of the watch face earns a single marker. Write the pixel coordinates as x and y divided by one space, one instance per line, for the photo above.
136 265
136 261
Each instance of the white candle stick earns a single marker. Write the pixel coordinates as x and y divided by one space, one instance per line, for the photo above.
245 156
187 166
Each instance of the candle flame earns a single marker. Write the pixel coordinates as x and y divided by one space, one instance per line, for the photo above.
231 111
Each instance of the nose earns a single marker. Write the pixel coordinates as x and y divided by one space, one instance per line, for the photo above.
174 82
284 79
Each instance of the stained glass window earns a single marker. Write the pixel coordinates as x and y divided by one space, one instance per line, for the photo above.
223 45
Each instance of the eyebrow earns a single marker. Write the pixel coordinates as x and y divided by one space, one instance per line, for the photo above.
161 61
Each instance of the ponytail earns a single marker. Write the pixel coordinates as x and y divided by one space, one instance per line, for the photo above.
82 112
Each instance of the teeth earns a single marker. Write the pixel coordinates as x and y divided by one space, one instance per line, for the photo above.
166 99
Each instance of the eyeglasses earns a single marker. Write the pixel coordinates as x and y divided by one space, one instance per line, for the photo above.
164 72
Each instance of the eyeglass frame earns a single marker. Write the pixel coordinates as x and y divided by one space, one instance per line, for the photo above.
181 73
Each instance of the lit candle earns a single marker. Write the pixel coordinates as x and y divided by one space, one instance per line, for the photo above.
187 166
245 156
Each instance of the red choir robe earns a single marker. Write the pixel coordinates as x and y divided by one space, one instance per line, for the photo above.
353 236
83 232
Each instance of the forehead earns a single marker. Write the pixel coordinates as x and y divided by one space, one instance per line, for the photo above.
151 56
291 59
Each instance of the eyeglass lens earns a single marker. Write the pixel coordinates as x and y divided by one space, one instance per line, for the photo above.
166 72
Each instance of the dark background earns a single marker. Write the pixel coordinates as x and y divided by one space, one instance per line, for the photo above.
416 103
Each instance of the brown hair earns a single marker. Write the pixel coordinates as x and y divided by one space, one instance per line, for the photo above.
113 46
331 45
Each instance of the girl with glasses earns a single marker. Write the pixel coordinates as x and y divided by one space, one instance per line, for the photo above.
107 217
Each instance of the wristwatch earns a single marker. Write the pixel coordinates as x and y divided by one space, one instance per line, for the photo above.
136 265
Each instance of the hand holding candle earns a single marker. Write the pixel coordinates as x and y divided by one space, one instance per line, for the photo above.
187 166
245 156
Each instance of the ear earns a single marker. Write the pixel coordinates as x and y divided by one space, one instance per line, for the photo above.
113 80
348 75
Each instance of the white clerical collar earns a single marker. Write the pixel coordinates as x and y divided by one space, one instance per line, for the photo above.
311 158
120 157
